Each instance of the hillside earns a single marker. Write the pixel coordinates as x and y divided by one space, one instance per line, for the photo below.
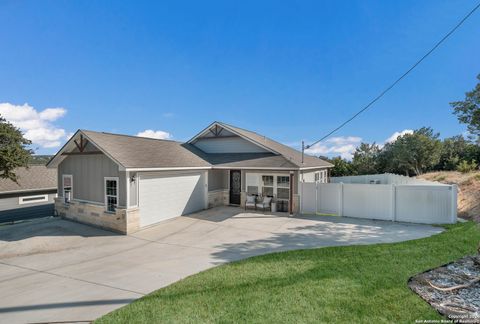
468 190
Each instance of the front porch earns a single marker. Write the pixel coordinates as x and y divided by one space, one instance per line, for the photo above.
230 187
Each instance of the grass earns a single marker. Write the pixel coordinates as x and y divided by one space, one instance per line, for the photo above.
354 284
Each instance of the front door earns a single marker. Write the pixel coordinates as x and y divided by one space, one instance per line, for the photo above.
235 186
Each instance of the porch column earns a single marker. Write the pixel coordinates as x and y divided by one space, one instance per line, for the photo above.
290 205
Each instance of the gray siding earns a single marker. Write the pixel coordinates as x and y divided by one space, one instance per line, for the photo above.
227 145
13 202
217 179
88 173
133 190
11 210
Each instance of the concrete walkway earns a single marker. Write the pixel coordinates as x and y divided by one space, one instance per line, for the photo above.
56 270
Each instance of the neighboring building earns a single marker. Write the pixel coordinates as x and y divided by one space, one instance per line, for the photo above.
33 195
125 183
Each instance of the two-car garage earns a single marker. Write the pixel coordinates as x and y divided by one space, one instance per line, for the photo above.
164 195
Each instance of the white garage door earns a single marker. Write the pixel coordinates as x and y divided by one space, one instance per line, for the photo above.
163 196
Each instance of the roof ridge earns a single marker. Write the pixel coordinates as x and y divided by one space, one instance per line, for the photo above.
133 136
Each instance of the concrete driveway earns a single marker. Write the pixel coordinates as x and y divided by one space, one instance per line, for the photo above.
56 270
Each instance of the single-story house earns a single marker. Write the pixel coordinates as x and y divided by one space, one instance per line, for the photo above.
31 196
124 183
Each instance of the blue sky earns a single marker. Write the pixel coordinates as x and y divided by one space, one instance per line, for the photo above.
290 70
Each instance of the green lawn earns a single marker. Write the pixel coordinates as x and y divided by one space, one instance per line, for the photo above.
356 284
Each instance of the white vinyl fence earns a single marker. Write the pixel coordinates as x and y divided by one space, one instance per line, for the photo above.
428 202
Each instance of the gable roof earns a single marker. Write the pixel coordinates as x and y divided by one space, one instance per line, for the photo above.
35 177
135 153
132 152
290 154
143 152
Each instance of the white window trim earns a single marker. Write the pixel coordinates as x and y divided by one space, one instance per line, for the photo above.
260 182
105 192
41 198
63 186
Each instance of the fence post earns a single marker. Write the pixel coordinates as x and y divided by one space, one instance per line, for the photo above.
454 204
340 200
394 202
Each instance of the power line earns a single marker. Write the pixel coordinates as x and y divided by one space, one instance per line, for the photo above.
396 81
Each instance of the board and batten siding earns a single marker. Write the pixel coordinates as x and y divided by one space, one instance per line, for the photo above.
133 189
217 180
88 173
234 144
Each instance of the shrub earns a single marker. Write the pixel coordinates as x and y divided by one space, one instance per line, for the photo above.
465 166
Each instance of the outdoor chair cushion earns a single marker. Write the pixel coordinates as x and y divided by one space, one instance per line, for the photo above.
251 199
265 202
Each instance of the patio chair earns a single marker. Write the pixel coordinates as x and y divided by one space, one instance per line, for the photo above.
251 202
265 204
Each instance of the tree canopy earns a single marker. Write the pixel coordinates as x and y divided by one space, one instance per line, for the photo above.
410 154
468 110
13 150
365 159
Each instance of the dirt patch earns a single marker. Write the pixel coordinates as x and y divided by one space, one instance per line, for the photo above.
468 191
453 289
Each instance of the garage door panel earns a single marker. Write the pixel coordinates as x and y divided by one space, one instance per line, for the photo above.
165 196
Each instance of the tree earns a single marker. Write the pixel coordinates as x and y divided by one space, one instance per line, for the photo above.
341 167
13 150
365 159
468 111
417 152
454 150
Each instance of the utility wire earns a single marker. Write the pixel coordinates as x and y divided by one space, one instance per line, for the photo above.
397 80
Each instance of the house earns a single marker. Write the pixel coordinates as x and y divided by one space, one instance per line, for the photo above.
124 183
31 196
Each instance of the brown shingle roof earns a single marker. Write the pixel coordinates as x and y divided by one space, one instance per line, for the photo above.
34 178
141 152
249 160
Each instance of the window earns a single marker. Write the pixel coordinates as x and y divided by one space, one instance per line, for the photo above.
252 190
324 176
317 176
32 199
67 188
111 194
283 187
267 188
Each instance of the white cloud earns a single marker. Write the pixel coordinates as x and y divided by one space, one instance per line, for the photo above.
155 134
52 114
341 145
36 125
168 114
395 135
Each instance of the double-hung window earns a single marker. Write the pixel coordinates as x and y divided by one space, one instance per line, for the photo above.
111 194
67 188
267 186
283 187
